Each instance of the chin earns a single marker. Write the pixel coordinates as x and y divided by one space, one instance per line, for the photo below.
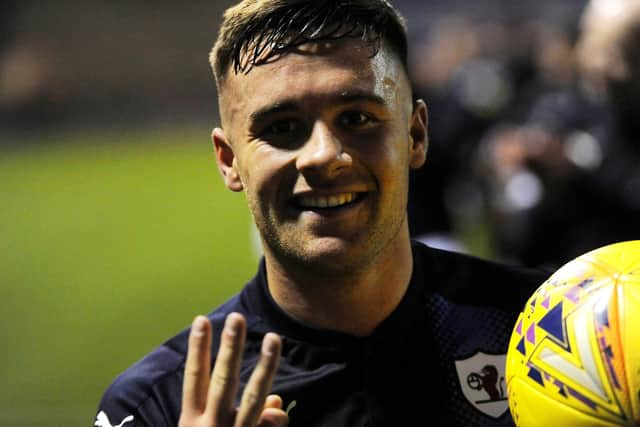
327 255
335 256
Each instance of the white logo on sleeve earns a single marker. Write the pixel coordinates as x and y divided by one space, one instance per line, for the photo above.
103 421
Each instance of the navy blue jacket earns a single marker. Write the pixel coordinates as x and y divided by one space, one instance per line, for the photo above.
438 359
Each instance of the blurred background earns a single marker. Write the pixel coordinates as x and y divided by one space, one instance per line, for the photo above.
115 229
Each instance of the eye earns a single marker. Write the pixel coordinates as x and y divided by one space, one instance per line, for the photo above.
283 133
283 127
356 119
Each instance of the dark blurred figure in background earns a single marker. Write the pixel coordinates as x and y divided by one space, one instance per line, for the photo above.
27 81
567 179
475 71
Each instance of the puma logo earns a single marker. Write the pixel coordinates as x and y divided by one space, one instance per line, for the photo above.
103 421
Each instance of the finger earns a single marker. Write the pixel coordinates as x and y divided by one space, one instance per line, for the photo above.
273 418
273 415
273 401
226 372
259 385
197 367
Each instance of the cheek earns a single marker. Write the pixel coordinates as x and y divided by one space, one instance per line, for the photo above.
264 170
394 152
390 170
396 162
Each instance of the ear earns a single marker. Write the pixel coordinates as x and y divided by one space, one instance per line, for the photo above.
418 131
226 160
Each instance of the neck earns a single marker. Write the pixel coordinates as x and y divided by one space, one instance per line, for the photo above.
354 301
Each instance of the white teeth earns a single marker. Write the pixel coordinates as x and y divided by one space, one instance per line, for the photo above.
326 201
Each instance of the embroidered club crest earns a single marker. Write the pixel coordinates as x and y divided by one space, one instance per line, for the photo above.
482 382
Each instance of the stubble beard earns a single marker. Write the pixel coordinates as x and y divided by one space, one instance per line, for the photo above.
313 256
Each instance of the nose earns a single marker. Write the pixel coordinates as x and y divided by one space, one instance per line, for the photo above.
322 154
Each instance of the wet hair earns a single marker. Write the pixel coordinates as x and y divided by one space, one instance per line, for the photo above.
258 31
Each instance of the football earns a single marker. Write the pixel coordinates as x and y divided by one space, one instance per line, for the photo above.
574 353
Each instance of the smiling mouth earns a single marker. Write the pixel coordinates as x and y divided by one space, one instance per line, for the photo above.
328 202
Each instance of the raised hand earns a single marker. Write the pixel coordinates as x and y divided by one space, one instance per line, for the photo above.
208 399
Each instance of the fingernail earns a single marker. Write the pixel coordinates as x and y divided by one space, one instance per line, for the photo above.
269 345
198 326
231 325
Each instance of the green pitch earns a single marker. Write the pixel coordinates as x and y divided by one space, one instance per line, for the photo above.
109 243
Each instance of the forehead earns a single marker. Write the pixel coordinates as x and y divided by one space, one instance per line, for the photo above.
313 72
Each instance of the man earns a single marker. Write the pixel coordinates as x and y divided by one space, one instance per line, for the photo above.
347 322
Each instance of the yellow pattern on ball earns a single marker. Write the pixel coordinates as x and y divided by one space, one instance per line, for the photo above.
574 354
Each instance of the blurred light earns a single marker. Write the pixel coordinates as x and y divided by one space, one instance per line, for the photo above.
583 150
483 87
443 241
523 191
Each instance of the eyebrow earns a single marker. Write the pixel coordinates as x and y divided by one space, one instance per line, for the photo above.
278 107
345 97
348 97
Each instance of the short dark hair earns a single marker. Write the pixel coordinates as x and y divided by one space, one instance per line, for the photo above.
256 31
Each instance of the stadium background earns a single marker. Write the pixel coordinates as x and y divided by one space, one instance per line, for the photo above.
115 229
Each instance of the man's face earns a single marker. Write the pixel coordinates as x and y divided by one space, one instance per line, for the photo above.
322 140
